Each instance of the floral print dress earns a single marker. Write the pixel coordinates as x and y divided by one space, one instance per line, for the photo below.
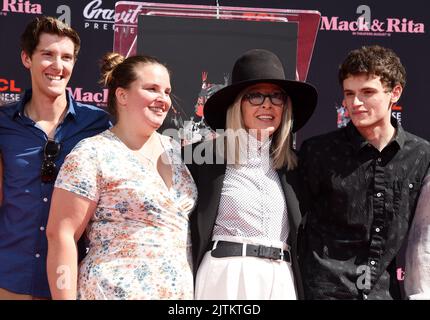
139 235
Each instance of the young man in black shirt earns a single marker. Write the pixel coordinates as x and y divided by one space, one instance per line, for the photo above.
360 186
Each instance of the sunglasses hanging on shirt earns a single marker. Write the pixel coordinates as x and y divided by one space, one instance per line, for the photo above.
48 171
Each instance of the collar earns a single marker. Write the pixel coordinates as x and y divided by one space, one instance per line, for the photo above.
259 152
18 111
254 143
358 142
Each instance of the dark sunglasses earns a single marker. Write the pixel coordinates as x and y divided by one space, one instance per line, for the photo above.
257 98
48 172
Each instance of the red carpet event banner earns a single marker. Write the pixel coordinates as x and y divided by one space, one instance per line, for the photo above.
343 26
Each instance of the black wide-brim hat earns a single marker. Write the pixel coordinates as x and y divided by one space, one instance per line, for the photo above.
256 66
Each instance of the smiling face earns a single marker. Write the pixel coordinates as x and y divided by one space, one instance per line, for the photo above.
50 65
265 116
368 101
146 102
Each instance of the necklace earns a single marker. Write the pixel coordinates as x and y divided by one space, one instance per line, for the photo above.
47 125
60 119
150 157
145 152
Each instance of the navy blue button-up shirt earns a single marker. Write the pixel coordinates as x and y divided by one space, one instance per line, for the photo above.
26 200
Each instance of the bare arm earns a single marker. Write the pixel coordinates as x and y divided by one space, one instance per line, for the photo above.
68 218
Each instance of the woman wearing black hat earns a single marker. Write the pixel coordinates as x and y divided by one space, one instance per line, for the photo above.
244 226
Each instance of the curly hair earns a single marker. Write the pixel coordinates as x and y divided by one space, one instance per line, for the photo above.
374 60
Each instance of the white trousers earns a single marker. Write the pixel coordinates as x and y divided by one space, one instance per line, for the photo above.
244 278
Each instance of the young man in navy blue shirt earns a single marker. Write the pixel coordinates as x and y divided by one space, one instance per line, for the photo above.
36 134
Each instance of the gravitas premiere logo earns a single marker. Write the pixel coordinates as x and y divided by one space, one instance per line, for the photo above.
99 18
21 6
366 26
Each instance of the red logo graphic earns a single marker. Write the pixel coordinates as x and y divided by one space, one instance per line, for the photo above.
9 91
8 85
206 91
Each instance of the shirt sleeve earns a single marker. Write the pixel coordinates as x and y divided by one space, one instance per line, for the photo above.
80 171
417 275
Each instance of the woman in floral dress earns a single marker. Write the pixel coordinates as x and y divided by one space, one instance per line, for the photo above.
131 192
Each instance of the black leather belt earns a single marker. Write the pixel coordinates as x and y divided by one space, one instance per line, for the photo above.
233 249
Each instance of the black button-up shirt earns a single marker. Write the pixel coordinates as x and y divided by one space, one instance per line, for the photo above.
358 203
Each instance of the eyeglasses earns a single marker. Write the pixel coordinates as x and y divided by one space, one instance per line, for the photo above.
257 98
48 172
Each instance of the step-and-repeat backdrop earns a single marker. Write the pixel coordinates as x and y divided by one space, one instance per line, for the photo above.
402 26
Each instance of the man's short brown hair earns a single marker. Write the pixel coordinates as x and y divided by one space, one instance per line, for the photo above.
31 35
374 60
